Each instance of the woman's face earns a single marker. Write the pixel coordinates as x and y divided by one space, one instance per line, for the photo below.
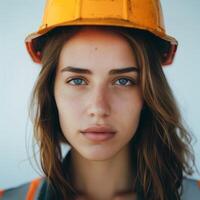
97 97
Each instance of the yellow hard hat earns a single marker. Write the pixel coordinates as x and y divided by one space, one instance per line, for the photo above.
136 14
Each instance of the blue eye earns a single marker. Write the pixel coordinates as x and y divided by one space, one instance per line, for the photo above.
77 81
122 81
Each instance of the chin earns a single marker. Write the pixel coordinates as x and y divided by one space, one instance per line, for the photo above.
98 153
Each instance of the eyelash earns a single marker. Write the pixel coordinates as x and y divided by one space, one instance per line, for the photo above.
132 82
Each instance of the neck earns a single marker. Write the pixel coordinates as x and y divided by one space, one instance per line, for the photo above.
104 179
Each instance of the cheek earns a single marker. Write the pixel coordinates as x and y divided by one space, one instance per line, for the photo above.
130 103
69 109
128 113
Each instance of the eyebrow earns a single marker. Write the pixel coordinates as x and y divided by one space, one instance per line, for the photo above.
111 72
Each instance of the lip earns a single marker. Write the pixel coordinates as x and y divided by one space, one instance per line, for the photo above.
98 133
99 129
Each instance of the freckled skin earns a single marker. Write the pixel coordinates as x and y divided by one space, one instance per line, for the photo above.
99 99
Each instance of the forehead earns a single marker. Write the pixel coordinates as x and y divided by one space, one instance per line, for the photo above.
91 45
96 31
97 35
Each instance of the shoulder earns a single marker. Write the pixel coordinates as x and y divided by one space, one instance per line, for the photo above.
37 189
26 191
191 189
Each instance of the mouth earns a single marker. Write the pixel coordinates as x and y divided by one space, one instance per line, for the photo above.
98 137
99 133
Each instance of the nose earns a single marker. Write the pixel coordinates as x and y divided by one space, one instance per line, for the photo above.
99 103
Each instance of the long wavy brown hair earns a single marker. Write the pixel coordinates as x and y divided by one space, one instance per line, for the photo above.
161 147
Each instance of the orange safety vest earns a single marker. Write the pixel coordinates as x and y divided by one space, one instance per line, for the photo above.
27 191
38 189
35 190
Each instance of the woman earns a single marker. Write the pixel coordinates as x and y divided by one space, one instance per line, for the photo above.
102 91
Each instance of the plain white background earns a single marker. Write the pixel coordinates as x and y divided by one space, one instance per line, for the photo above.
18 73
